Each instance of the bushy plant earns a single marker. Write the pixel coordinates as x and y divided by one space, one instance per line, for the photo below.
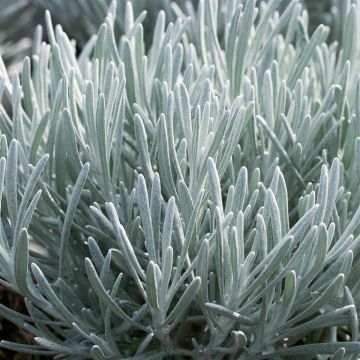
194 198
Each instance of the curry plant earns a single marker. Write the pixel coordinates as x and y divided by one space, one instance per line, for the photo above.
195 196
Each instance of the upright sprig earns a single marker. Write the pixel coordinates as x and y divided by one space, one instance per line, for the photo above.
191 196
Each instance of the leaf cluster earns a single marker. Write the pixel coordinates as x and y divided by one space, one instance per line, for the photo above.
195 197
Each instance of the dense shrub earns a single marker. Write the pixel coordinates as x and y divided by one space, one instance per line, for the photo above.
195 196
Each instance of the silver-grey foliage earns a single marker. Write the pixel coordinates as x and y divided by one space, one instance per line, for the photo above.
195 199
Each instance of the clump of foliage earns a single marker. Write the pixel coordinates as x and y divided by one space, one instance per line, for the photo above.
197 197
